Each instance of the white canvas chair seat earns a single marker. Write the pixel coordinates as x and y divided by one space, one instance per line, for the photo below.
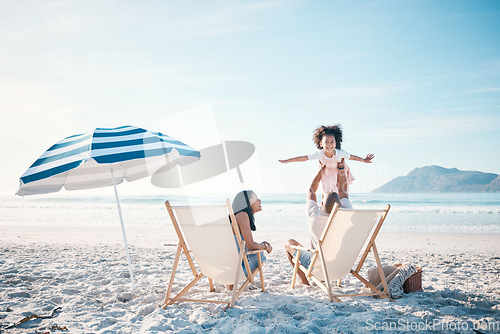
340 245
207 238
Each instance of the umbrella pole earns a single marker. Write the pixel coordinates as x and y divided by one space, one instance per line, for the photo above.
123 229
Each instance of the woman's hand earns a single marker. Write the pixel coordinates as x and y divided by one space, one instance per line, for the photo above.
267 246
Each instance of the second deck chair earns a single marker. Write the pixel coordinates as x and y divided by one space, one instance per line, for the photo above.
207 238
340 245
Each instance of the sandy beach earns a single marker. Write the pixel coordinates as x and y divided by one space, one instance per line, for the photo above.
109 109
78 279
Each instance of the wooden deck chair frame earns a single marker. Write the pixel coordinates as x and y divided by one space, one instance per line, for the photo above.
317 258
182 248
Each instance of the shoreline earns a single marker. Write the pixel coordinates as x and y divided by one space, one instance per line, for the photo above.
151 237
418 244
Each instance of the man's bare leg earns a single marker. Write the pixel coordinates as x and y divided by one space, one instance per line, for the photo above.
289 252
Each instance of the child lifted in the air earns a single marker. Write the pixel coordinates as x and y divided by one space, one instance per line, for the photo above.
328 140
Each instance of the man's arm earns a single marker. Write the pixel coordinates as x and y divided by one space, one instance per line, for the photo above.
342 183
311 194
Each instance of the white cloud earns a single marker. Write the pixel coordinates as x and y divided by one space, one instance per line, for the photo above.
30 106
359 92
223 18
483 90
425 128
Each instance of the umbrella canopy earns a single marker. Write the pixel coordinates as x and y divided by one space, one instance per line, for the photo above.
101 158
88 160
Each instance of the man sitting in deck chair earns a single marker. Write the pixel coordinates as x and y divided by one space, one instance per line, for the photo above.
317 216
337 238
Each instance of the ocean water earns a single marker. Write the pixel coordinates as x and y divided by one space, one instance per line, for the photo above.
419 213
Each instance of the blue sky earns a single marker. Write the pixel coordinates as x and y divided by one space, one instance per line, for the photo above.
414 82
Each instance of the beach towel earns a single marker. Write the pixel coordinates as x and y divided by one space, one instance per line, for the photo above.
396 283
395 277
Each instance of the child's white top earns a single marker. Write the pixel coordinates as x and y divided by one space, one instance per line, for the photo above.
329 162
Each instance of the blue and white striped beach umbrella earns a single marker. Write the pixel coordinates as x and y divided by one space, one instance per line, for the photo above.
89 160
104 157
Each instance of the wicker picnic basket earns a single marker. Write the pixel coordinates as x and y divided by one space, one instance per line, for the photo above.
414 282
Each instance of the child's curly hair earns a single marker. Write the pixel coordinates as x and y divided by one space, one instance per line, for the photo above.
333 130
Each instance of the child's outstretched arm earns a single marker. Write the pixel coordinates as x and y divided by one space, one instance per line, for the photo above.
368 159
301 158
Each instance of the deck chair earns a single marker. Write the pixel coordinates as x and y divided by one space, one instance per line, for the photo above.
207 238
340 245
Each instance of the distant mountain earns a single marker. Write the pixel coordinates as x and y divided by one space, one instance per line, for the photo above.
433 179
